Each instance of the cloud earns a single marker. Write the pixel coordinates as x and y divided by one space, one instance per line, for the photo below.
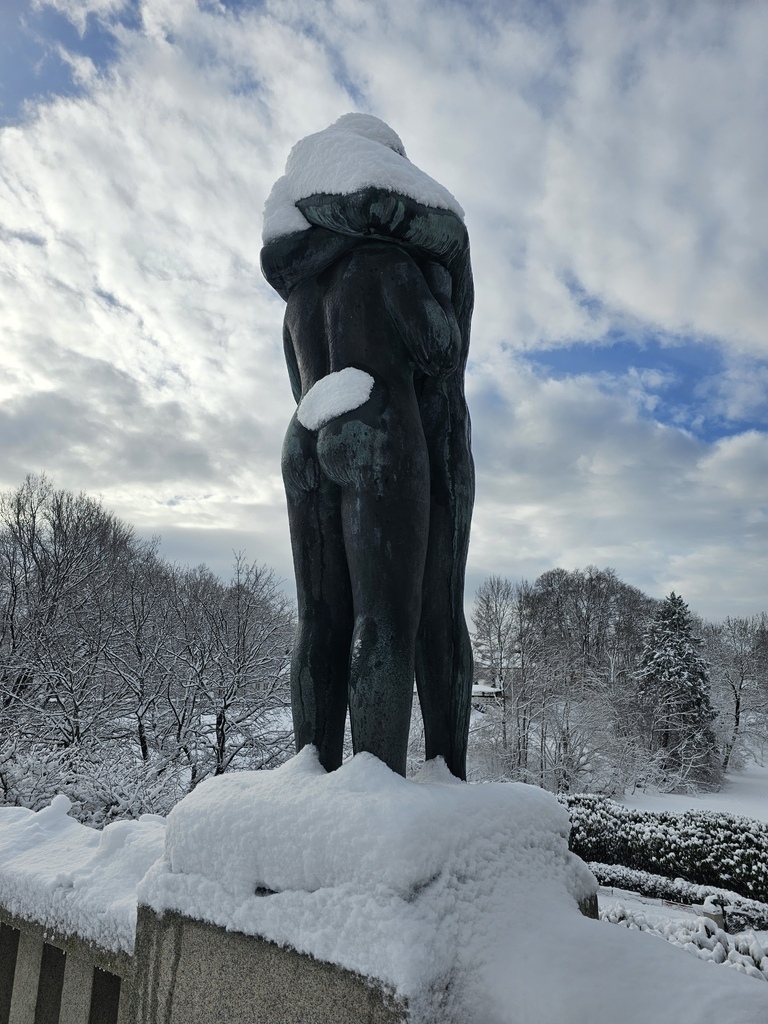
741 392
77 11
574 474
656 164
611 161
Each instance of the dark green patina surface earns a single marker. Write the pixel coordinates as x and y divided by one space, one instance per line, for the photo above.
379 498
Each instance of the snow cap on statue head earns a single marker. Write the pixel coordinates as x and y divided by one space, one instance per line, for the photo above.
369 127
344 131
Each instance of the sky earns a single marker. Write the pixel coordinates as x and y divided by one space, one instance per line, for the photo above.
612 160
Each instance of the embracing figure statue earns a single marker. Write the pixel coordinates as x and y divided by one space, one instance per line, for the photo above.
372 258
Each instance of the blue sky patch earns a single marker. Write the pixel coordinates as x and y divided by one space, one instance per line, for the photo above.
691 393
30 65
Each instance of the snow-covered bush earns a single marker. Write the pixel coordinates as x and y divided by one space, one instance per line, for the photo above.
698 936
740 912
104 782
705 847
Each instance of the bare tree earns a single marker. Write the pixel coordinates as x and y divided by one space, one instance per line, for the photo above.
506 643
227 689
138 656
564 652
737 651
110 656
62 556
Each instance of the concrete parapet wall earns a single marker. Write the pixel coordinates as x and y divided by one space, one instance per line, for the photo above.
188 971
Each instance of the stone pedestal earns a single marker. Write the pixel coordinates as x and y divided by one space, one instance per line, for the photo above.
188 971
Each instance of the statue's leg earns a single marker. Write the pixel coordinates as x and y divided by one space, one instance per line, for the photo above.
443 649
383 466
320 662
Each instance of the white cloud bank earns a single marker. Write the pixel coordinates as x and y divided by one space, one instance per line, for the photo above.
611 160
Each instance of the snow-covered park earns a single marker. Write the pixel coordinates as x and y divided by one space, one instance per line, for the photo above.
744 792
461 898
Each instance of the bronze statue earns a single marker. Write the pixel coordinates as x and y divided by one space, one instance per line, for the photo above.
376 462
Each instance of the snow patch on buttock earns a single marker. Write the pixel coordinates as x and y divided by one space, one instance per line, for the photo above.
332 396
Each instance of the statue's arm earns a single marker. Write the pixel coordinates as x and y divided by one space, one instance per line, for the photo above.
420 305
291 362
291 259
378 213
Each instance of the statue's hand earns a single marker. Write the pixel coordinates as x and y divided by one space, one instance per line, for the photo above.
346 214
439 281
374 212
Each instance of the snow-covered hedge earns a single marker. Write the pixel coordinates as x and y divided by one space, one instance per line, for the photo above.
704 847
741 913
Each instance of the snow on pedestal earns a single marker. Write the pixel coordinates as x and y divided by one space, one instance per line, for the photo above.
461 898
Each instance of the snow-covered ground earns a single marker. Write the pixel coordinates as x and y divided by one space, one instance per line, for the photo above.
743 793
461 897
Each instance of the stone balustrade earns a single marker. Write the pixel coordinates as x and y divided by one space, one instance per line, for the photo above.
49 978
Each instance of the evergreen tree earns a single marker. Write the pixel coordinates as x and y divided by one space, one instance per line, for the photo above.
674 695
